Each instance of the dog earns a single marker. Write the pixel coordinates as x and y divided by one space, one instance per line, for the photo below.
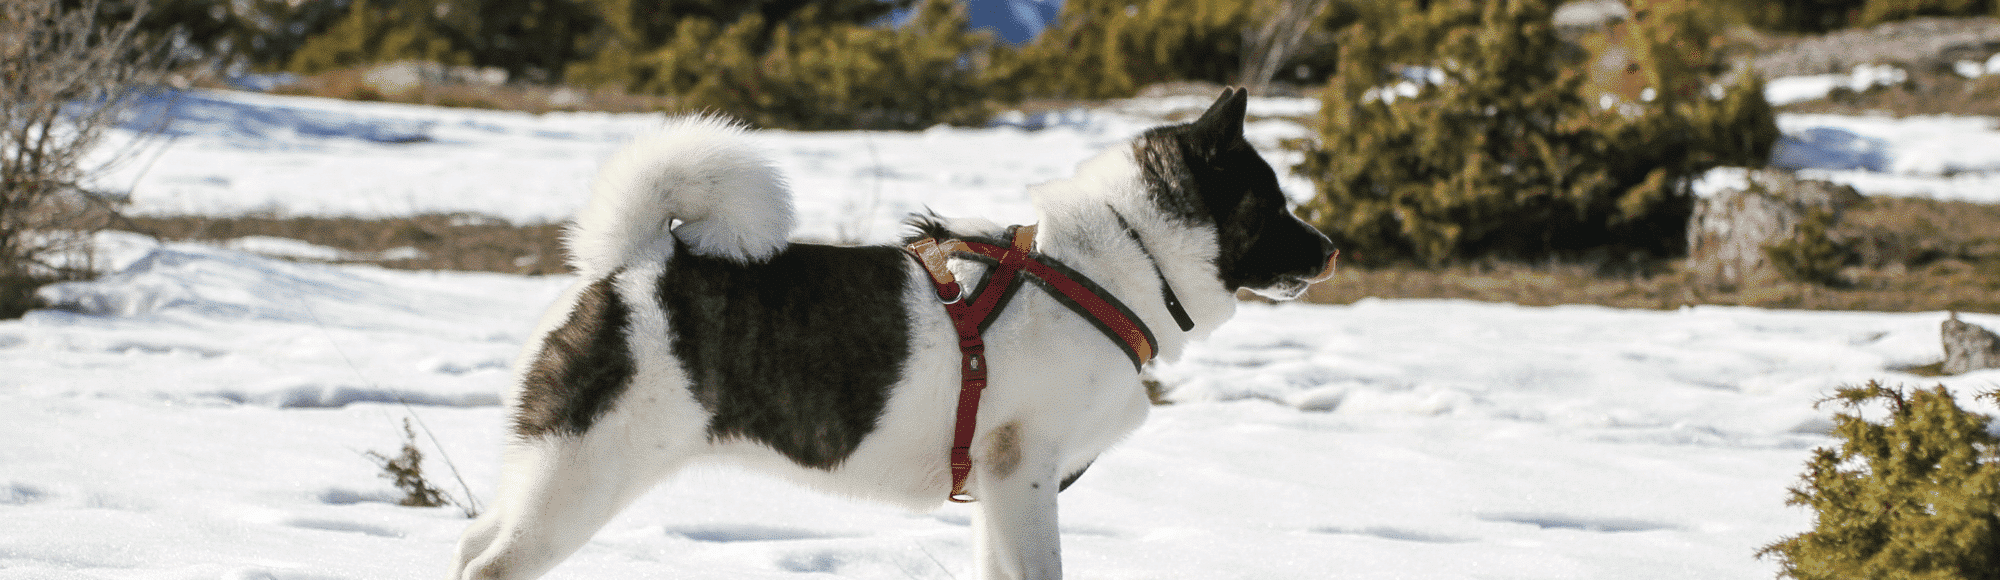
698 332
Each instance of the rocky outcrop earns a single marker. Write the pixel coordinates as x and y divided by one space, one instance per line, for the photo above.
1969 347
1731 228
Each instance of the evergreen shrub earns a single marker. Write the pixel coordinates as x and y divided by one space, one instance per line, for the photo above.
1810 255
1101 49
1915 495
1456 130
808 70
831 77
1827 15
530 39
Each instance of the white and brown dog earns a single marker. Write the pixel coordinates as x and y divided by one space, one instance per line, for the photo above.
699 333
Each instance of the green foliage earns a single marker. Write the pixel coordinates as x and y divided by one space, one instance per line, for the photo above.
814 72
1798 15
530 39
375 31
827 64
527 38
239 33
1454 130
1111 48
1810 256
629 29
1826 15
1880 11
1914 496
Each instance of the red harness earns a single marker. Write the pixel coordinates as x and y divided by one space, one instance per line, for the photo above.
971 315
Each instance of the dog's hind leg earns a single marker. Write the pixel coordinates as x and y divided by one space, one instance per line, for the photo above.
1015 519
555 494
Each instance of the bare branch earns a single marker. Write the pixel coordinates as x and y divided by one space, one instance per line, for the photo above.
1266 48
68 75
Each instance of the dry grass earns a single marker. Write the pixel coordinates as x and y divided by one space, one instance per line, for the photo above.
1909 255
444 241
1868 289
349 84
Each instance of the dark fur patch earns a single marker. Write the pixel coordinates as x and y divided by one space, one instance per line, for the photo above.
1070 479
798 352
581 370
929 226
1003 451
1206 173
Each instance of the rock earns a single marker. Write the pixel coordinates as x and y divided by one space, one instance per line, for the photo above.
403 76
1730 228
1968 347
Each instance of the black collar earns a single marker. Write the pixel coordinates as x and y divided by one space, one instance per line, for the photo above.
1166 289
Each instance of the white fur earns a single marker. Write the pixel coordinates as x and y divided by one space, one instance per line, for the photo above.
701 171
1059 393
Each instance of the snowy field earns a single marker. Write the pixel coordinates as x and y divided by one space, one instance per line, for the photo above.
204 411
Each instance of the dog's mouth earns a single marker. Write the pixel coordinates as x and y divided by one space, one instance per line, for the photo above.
1326 273
1291 287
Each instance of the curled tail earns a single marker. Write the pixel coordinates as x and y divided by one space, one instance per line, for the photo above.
700 171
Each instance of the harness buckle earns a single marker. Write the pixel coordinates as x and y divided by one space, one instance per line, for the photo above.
934 256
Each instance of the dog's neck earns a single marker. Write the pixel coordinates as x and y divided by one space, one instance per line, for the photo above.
1167 294
1104 224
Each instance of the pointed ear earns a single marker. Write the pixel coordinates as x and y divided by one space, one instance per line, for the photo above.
1224 119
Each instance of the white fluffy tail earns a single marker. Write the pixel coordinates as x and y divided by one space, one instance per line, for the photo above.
702 171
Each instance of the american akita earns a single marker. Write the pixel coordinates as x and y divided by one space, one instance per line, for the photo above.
698 332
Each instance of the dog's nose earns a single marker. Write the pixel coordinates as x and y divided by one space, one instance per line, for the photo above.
1328 255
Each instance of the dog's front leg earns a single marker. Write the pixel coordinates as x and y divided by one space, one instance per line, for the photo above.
1016 514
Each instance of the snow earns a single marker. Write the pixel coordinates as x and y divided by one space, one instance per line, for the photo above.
1939 156
203 412
1787 90
1973 69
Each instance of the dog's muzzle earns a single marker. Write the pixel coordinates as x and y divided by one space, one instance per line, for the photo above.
1326 274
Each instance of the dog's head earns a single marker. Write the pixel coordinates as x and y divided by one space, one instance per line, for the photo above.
1205 174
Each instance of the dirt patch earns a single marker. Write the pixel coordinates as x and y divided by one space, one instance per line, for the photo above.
1918 44
353 85
1906 255
424 242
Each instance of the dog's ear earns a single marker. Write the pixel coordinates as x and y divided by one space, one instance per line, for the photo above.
1224 119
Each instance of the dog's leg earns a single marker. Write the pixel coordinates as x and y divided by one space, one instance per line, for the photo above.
556 492
1015 519
474 541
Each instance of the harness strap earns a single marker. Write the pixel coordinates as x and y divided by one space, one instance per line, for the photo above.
971 316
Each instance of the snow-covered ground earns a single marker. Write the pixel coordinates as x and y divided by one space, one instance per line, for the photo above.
203 413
